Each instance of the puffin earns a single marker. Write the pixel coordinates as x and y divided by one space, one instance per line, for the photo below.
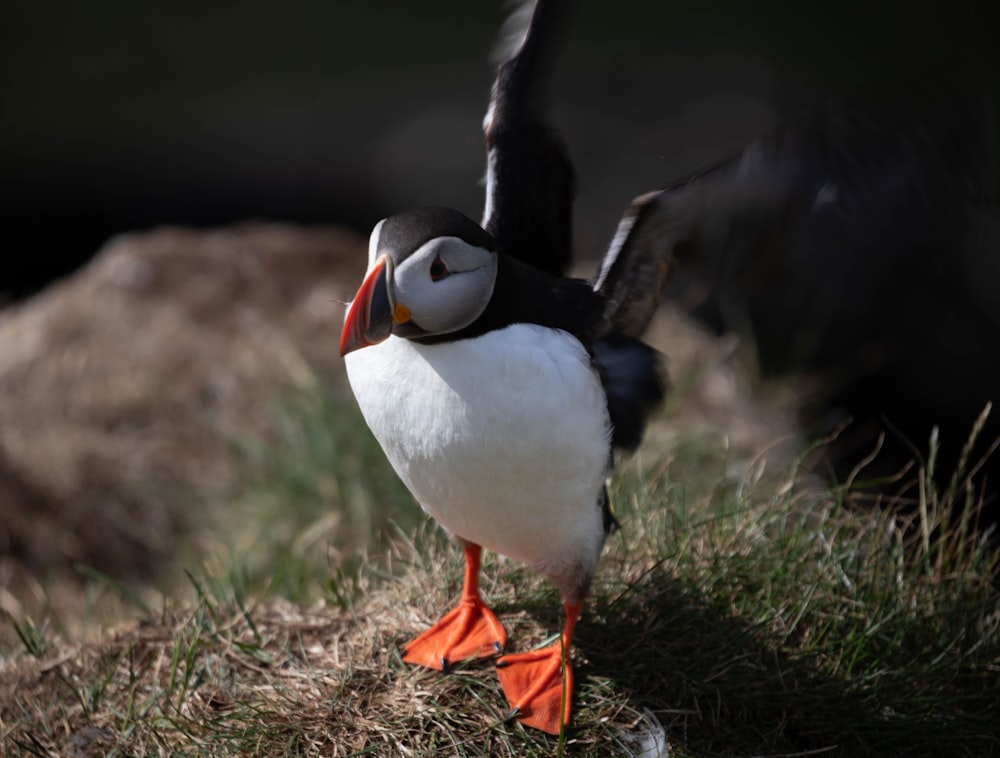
501 389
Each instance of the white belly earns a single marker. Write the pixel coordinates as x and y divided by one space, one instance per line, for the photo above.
504 438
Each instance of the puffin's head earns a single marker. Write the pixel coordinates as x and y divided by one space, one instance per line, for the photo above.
430 271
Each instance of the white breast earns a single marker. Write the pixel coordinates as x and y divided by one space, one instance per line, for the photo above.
503 438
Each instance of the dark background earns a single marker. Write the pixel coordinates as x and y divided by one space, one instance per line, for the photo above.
117 115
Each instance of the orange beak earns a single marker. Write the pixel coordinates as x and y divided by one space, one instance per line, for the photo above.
370 317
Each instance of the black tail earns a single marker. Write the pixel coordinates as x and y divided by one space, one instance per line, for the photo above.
635 381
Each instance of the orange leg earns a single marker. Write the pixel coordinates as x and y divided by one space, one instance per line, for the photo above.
539 684
470 630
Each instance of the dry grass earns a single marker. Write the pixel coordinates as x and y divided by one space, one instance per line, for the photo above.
228 678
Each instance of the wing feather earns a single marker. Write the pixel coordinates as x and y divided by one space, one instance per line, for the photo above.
637 265
530 181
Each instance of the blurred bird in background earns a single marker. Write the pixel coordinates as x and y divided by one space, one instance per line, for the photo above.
860 243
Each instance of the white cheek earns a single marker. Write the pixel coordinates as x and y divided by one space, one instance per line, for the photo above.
448 304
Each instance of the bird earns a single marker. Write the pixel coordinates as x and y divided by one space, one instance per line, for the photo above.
857 244
501 389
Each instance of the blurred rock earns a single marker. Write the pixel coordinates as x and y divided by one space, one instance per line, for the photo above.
122 387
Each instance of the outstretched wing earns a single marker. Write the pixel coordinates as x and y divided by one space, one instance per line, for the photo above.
529 178
637 264
641 258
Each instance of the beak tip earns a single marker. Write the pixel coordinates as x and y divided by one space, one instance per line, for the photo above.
353 337
348 347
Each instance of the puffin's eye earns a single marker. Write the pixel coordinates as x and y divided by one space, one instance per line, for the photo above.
438 270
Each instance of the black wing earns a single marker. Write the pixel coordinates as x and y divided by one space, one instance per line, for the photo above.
641 258
637 264
529 179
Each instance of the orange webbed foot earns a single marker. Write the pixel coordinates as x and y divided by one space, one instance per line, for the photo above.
470 630
537 687
539 684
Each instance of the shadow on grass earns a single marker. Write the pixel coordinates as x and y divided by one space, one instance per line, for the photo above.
719 687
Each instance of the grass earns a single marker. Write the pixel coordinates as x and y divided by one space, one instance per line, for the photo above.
732 615
317 496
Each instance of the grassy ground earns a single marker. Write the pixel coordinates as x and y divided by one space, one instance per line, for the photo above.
733 614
